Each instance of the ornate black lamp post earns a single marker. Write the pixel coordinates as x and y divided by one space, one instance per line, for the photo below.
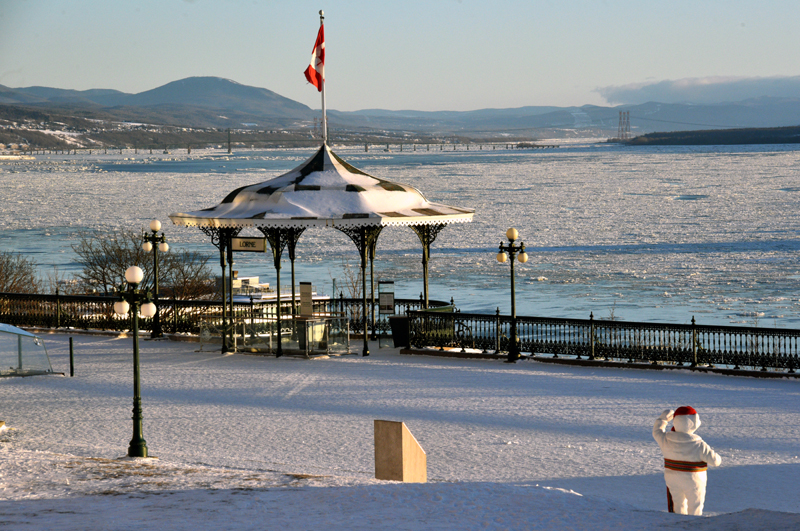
155 242
133 299
508 252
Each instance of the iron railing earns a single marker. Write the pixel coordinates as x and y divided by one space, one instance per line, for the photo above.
634 342
86 312
442 327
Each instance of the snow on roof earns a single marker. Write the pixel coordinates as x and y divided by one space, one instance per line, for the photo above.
8 329
324 191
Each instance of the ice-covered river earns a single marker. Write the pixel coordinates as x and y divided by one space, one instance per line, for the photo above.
652 234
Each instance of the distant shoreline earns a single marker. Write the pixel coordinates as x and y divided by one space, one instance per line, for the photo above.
771 135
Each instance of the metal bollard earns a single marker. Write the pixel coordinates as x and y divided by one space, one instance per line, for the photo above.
71 359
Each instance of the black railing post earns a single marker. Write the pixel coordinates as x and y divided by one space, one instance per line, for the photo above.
252 319
555 354
409 328
619 343
174 314
71 359
58 308
497 332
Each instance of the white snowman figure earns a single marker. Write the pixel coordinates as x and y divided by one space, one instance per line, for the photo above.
686 459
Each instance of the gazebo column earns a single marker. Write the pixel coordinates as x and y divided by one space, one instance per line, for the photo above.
292 237
230 284
426 234
221 239
372 249
277 238
364 237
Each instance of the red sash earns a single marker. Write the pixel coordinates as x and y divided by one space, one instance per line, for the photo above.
685 466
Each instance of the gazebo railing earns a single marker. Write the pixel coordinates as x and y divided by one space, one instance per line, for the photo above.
353 309
633 342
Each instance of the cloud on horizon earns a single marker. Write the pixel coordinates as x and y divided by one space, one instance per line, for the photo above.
703 90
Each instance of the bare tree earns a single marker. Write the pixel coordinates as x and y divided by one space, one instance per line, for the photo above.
352 287
18 274
106 257
352 279
57 280
188 276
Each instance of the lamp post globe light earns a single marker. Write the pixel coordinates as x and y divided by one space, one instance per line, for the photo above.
507 253
155 242
137 301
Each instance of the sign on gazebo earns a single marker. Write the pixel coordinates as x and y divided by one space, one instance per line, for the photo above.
249 245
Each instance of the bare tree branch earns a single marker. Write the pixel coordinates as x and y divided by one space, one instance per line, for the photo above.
188 276
106 257
18 274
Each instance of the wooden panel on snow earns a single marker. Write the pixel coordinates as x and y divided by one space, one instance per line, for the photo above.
398 455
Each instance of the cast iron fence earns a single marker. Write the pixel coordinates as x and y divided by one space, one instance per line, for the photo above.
677 344
86 312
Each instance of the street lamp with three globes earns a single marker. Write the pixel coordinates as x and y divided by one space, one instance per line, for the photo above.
507 253
138 302
155 242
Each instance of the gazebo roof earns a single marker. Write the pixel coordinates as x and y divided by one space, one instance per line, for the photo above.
324 191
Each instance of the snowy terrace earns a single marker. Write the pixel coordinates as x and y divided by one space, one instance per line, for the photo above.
251 442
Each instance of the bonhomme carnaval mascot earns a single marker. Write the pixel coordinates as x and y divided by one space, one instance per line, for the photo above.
686 458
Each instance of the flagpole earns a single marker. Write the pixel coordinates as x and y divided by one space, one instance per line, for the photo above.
324 113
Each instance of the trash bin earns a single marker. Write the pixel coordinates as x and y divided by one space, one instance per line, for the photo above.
399 325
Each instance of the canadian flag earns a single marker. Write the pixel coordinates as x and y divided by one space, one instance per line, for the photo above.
315 73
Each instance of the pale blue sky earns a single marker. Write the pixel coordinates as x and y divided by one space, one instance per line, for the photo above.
409 54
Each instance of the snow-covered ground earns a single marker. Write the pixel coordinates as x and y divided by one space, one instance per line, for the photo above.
251 442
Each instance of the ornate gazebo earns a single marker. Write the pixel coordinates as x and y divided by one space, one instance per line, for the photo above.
324 191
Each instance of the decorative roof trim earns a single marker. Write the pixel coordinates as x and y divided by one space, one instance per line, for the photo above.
192 221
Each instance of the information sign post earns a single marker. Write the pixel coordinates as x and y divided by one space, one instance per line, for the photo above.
385 307
306 299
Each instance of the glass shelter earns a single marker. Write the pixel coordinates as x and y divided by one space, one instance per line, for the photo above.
22 353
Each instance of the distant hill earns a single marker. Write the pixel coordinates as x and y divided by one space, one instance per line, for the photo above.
54 95
648 117
222 103
194 101
218 93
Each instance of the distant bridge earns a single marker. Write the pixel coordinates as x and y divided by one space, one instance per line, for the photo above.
456 146
168 148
